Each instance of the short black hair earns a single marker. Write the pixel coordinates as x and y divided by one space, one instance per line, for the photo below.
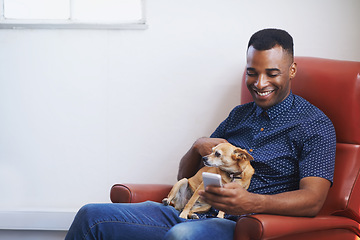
267 38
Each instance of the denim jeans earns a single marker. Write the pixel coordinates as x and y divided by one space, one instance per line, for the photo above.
144 221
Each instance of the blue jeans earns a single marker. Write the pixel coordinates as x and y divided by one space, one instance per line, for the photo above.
148 220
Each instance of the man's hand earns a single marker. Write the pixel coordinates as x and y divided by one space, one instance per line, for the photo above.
235 200
205 145
232 199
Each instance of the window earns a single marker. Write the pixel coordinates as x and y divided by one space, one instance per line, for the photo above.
107 14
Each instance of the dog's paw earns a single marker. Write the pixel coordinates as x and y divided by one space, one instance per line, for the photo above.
183 215
193 216
166 201
221 214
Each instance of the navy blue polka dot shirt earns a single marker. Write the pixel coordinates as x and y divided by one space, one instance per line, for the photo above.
289 141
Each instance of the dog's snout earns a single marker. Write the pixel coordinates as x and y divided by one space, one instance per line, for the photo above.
206 161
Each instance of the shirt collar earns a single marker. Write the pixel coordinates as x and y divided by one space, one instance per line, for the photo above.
278 109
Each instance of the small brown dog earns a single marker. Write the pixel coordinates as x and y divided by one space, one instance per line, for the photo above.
232 163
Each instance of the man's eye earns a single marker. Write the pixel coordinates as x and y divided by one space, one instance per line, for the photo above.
251 74
217 154
273 75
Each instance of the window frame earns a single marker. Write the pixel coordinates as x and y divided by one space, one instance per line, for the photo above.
70 23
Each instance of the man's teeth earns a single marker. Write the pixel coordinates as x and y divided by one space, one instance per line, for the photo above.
264 93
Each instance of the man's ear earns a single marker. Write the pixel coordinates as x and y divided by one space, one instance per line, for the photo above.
240 152
292 70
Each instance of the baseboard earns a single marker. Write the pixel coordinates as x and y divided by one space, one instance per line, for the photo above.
36 220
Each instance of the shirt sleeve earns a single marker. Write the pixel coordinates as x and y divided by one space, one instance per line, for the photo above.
318 154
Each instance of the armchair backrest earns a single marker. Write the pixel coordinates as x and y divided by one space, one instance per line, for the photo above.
334 87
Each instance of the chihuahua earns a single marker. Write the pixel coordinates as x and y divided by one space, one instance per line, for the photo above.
232 163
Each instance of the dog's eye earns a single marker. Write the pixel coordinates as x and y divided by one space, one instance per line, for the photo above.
217 154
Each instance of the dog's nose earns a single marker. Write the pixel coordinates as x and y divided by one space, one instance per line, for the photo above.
205 160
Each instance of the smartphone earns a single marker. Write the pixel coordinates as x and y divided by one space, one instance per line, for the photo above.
212 179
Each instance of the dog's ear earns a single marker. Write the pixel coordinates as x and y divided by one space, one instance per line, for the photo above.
240 153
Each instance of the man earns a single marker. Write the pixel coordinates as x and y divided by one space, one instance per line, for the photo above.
292 142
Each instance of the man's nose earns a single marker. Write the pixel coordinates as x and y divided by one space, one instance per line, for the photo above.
261 82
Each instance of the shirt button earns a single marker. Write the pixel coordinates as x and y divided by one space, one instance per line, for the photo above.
261 129
251 150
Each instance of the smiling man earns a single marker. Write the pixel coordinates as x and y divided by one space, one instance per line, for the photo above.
292 142
270 68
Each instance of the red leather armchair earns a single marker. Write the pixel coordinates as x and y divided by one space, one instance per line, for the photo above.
334 87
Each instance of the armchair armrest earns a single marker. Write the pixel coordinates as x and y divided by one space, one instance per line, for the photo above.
263 226
134 193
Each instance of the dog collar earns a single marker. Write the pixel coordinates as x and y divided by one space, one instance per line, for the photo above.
234 176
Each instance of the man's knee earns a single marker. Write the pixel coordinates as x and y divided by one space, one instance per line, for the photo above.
204 229
182 231
88 211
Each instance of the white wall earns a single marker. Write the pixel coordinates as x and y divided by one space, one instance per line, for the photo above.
81 110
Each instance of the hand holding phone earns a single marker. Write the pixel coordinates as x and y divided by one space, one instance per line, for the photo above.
212 179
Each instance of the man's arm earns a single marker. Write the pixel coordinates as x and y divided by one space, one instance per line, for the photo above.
192 160
235 200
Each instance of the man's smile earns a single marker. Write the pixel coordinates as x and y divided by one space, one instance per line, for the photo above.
263 94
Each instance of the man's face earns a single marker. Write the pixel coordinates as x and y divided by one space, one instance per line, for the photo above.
268 75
